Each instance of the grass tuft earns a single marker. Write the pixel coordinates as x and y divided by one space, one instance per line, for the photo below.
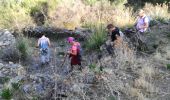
6 94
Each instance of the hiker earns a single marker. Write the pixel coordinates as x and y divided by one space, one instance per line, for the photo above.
113 33
74 53
142 25
44 44
142 22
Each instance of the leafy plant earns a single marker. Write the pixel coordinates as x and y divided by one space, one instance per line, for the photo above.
168 66
22 46
4 80
97 38
6 94
92 66
16 86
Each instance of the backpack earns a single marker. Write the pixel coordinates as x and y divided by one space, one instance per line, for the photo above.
121 34
149 19
80 52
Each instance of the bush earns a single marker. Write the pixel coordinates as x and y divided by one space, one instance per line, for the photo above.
168 66
16 86
23 47
10 54
4 80
97 38
15 14
6 94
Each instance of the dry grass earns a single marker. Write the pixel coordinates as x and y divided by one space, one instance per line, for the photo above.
157 12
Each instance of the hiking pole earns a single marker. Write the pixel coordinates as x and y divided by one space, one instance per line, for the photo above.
64 60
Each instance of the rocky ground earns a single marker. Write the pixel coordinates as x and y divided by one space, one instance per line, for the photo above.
124 76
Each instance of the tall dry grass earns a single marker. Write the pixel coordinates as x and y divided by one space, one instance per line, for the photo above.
158 12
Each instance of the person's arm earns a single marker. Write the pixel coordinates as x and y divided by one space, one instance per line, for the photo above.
73 52
38 43
48 42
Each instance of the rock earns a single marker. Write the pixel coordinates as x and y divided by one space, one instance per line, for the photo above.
21 71
39 88
11 63
27 88
6 39
77 88
16 79
1 66
108 70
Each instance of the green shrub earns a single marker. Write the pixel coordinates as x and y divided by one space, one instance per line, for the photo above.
23 46
92 66
16 86
4 80
6 94
97 38
111 98
15 14
168 66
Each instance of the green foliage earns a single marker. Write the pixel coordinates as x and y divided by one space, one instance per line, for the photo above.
16 86
6 94
15 14
111 98
92 66
4 80
22 46
168 66
97 38
97 69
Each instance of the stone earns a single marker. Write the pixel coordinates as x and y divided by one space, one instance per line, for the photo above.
16 79
1 66
108 70
6 39
27 88
11 63
21 71
39 88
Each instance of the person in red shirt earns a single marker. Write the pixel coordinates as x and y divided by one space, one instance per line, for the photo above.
74 53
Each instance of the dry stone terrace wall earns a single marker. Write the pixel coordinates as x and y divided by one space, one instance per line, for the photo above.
80 33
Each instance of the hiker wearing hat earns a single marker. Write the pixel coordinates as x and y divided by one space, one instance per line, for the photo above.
44 44
142 26
74 53
142 23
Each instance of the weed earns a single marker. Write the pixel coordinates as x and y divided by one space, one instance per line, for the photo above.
6 94
4 80
168 66
16 86
97 38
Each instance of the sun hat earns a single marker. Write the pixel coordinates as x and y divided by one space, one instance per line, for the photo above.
70 39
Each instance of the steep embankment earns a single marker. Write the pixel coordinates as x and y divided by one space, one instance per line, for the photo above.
125 75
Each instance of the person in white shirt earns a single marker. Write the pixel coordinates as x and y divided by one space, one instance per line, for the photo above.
44 44
142 23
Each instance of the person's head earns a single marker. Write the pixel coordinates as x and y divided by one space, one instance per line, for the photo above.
110 27
141 13
70 40
42 34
